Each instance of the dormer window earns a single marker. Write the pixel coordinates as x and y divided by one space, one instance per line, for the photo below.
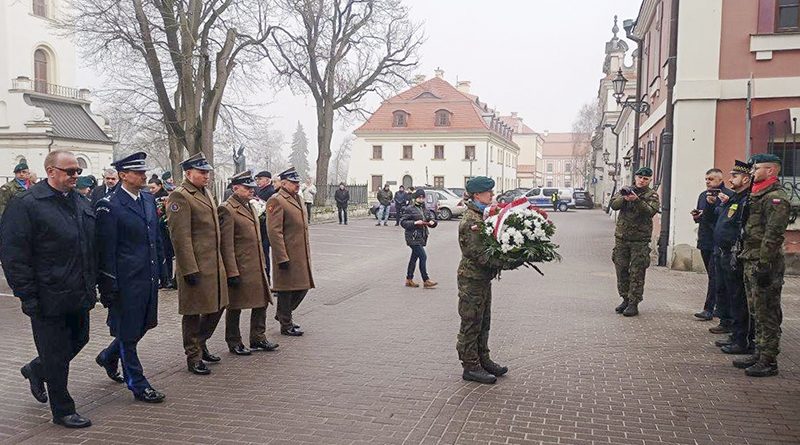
400 119
442 118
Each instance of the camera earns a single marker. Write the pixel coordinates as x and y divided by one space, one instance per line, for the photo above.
625 191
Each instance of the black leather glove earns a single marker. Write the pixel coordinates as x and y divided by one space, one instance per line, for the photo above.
192 279
30 307
234 281
108 299
284 265
763 276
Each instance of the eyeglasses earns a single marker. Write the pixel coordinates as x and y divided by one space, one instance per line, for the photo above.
70 171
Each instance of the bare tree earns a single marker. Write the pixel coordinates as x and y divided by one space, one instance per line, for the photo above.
340 51
340 164
188 48
584 125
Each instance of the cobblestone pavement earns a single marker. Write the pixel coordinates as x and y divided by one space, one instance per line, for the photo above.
378 362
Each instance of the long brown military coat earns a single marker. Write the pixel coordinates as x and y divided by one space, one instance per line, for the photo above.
243 255
195 233
287 224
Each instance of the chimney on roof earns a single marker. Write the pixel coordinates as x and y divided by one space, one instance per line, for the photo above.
418 79
546 133
513 114
439 73
463 86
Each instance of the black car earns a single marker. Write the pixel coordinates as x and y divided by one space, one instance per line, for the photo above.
511 195
583 199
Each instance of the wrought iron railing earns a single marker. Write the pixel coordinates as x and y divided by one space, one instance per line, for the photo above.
41 86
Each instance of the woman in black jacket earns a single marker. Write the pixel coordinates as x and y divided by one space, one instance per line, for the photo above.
416 220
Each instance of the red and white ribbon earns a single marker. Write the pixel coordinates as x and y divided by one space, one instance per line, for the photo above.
519 203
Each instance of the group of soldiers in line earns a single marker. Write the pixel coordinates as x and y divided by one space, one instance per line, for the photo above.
741 240
58 252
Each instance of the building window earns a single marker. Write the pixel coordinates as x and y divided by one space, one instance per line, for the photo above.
82 163
567 183
438 152
549 168
377 182
438 182
442 118
40 71
788 16
400 119
500 156
469 152
549 183
568 167
40 8
408 152
377 152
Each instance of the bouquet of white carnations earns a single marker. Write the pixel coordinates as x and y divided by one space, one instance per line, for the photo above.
259 208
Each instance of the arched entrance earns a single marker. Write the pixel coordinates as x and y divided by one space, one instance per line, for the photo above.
407 181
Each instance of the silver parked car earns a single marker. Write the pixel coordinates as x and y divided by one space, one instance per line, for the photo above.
450 205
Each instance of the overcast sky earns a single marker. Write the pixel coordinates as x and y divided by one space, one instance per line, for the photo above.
541 58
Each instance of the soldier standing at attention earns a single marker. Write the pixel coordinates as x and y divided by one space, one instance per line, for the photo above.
14 187
475 274
200 273
291 255
130 255
764 263
242 253
631 256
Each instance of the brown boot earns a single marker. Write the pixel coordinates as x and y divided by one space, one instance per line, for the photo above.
411 283
428 284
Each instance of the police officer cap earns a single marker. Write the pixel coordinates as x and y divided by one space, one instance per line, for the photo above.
21 166
84 182
645 171
418 193
244 178
741 167
263 174
479 184
765 158
289 174
133 163
196 161
166 175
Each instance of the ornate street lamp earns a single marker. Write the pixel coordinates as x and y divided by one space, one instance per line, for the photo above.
619 83
606 156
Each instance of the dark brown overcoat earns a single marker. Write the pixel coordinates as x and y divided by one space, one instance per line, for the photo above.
287 224
195 233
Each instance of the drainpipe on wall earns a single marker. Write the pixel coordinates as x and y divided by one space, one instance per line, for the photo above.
628 25
667 137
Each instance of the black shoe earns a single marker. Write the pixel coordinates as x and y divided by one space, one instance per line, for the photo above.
746 362
478 375
37 384
631 310
111 370
292 332
73 421
764 367
723 342
704 315
150 395
720 329
173 285
199 368
378 224
621 307
736 348
209 357
240 350
493 368
297 327
263 345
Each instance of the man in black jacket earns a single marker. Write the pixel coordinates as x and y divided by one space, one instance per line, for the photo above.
110 180
342 198
264 191
401 199
48 254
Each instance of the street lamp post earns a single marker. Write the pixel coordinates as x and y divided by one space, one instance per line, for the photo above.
638 106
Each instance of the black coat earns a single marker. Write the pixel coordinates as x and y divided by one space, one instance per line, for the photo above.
47 247
727 221
99 193
342 197
130 255
416 235
705 230
264 193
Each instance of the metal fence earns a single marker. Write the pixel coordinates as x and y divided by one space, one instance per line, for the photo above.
358 194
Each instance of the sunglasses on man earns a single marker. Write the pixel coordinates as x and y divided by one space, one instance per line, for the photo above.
70 171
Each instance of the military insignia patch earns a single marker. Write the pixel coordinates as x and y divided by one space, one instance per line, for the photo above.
271 208
174 207
732 210
776 201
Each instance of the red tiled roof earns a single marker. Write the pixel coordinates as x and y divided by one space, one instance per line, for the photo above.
516 124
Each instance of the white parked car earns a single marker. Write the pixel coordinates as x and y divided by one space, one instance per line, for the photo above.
450 205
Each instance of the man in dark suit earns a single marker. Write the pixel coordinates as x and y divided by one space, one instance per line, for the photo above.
110 180
48 253
264 191
130 254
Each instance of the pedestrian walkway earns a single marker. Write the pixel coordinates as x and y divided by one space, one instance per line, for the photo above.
378 363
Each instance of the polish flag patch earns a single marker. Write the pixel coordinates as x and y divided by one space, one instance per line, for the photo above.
776 201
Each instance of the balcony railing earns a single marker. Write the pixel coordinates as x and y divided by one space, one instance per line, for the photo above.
26 84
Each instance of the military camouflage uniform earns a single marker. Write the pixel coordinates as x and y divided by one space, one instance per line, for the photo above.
631 255
763 252
475 274
8 191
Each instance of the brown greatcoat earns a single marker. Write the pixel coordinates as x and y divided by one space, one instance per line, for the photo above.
195 233
287 224
243 255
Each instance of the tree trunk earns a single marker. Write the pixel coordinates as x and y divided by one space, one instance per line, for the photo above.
175 158
324 137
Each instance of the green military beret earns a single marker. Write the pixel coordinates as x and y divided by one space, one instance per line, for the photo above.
84 182
645 171
764 158
166 175
480 184
21 166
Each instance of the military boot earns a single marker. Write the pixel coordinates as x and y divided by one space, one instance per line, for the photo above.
746 362
478 374
631 310
493 368
764 367
619 309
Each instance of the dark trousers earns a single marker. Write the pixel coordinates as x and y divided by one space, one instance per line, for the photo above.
398 213
418 253
58 340
131 366
723 297
730 280
308 209
342 211
258 326
711 289
288 301
166 272
196 330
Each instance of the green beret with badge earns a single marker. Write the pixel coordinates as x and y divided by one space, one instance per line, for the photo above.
765 158
480 184
645 171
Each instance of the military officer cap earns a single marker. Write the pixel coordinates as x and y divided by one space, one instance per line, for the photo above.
21 166
741 167
83 182
263 174
196 161
289 174
479 184
244 178
133 163
765 158
645 171
166 175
